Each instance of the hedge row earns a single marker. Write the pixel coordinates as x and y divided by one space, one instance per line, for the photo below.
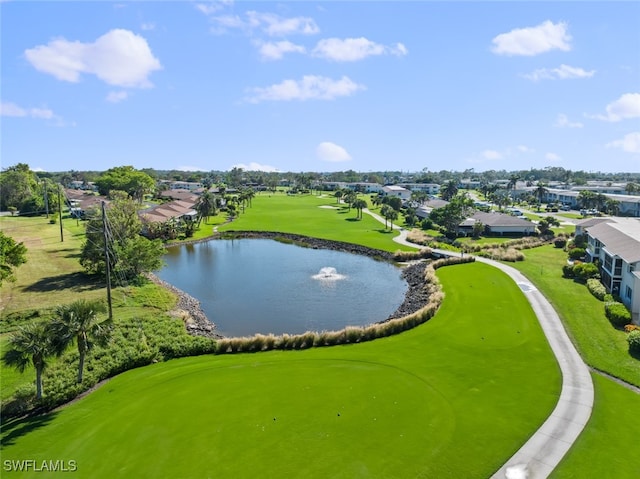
596 288
617 313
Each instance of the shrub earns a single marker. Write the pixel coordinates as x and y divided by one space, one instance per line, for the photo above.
560 242
634 342
577 253
567 271
584 271
617 313
596 288
580 241
631 327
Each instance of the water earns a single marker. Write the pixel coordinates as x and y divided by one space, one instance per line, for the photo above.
251 286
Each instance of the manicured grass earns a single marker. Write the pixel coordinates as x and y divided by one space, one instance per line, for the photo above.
452 398
606 446
600 344
52 270
484 240
317 216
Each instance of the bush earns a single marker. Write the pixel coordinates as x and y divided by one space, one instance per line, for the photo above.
584 271
567 271
596 288
577 253
631 327
634 342
560 242
617 313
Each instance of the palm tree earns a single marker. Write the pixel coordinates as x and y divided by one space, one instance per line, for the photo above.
449 191
632 188
338 194
513 181
385 211
359 205
206 206
540 191
78 322
30 344
611 206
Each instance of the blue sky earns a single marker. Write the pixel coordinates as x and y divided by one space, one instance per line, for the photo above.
321 86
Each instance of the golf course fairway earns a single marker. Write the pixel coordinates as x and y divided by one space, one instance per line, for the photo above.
452 398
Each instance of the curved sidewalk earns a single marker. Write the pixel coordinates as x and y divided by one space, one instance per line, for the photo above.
548 445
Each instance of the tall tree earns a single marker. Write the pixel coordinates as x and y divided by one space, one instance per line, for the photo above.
129 253
125 178
30 344
540 191
206 206
450 190
12 255
79 323
359 205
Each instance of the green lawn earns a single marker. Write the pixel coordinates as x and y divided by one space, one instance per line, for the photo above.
52 270
602 450
449 399
317 216
600 344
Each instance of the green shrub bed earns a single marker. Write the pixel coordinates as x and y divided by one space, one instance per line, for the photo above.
596 288
617 313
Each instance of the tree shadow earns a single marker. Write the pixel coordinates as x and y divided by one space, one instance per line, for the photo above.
18 427
77 281
385 231
352 219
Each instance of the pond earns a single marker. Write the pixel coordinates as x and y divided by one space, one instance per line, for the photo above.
249 286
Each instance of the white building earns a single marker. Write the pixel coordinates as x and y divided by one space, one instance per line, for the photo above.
429 188
398 191
615 242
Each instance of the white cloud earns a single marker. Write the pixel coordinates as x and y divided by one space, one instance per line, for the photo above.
275 51
118 57
525 149
533 40
629 143
625 107
11 109
354 49
117 96
552 157
327 151
277 26
148 26
190 168
213 7
311 87
253 166
563 72
492 155
562 121
269 23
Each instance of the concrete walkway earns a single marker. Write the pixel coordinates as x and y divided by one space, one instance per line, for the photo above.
548 445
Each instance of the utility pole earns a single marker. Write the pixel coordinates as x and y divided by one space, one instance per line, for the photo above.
60 215
106 259
46 198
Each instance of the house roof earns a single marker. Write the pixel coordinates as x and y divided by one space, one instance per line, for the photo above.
499 219
621 236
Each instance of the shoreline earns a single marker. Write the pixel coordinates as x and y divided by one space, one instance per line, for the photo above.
198 324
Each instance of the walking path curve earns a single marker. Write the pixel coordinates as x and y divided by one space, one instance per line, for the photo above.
548 445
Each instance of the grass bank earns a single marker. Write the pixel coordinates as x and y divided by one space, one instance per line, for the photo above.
601 345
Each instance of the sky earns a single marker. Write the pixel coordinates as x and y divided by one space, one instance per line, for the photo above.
299 86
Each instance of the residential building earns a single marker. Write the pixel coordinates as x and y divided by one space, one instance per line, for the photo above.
498 224
615 243
429 188
397 191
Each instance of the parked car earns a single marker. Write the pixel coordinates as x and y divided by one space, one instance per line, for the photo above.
565 207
